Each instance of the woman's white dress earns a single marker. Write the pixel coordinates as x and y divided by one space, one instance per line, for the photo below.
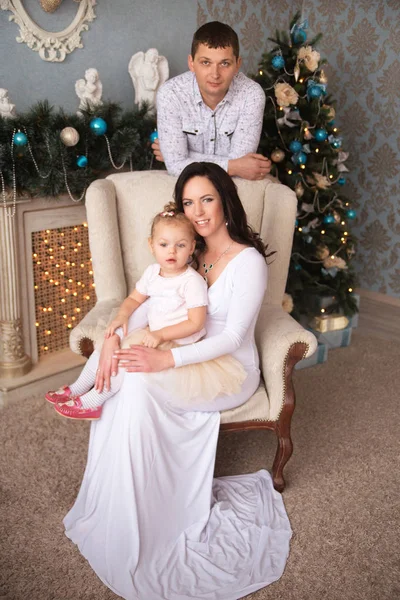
149 517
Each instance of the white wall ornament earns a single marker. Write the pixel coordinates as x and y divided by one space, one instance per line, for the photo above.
7 108
89 90
51 46
148 72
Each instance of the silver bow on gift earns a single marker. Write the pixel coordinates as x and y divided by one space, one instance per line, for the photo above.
342 157
289 114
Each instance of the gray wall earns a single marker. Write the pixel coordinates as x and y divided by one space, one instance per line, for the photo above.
361 39
121 28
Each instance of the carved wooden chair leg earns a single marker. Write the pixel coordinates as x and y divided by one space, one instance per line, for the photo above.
282 426
283 453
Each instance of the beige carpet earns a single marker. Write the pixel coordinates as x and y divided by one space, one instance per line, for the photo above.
342 495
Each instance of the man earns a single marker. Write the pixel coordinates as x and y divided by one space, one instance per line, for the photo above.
212 113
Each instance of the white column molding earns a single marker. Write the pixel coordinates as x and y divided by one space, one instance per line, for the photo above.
13 360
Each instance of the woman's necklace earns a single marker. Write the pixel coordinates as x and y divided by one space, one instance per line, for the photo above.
208 268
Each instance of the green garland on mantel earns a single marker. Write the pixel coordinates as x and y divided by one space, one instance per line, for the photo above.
127 133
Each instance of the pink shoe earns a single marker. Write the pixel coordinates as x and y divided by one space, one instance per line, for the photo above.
73 409
59 396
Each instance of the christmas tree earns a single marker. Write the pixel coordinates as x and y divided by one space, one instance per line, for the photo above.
46 152
304 143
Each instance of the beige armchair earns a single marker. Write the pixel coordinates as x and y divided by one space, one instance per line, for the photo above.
119 212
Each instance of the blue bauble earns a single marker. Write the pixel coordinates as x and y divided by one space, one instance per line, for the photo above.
82 161
278 62
98 126
296 222
314 92
320 135
336 143
297 267
351 214
341 181
299 36
328 219
153 136
20 139
295 146
300 158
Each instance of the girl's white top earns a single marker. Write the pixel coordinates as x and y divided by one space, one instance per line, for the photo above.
171 297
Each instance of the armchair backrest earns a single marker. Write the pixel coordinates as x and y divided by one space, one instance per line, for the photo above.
120 210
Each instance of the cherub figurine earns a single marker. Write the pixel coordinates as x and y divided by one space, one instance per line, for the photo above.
7 109
89 90
148 71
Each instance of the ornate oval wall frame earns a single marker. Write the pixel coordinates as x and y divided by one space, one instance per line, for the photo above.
52 46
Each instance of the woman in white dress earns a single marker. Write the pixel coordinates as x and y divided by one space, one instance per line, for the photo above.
149 517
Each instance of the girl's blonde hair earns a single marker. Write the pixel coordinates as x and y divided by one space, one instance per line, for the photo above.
171 216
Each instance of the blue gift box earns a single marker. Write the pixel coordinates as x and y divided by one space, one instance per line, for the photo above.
334 339
319 356
354 319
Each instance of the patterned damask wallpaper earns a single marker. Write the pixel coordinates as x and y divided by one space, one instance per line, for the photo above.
360 41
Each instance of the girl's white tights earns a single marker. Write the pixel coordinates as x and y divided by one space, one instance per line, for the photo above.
83 385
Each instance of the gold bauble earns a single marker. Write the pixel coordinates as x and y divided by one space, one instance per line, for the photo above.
331 111
336 216
277 155
299 189
322 77
322 252
50 5
69 136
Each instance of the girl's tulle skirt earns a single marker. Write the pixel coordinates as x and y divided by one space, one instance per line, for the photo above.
205 380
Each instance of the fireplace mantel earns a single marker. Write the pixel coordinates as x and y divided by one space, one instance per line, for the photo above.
18 344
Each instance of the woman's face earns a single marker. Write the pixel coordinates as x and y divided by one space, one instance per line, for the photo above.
203 206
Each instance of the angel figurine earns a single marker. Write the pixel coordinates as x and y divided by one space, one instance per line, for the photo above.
89 90
7 109
148 72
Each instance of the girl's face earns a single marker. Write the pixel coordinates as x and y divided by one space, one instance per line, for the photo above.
171 246
202 206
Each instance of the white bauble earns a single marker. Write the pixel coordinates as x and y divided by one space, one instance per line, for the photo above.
69 136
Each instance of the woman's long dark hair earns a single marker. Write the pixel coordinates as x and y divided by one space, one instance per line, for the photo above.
235 216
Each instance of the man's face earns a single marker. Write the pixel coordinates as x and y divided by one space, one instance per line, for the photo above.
214 69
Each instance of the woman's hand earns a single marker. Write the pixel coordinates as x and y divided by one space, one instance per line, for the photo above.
108 365
138 359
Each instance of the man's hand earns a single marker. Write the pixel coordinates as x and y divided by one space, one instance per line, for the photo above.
157 152
152 339
251 166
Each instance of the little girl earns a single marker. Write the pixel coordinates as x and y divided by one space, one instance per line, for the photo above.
176 316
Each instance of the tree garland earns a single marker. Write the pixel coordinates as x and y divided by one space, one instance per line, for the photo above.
34 138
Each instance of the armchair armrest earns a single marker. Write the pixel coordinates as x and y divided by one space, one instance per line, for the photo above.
276 333
92 326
